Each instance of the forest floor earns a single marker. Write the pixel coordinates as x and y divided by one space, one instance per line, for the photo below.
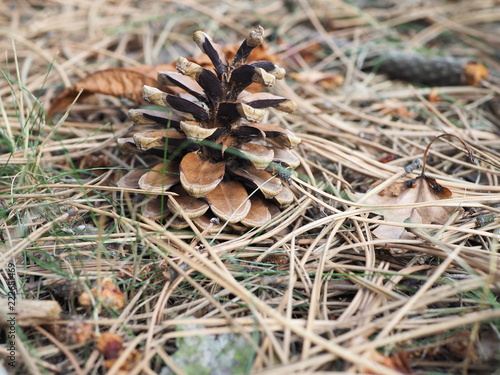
387 261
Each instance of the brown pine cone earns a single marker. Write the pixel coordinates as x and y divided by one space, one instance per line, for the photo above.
215 154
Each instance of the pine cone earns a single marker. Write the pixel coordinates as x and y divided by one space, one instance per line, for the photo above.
216 155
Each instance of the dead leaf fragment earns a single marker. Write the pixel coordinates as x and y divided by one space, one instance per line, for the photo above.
398 361
474 72
77 330
120 82
460 346
393 107
98 164
108 294
277 259
111 347
328 80
420 190
433 96
481 347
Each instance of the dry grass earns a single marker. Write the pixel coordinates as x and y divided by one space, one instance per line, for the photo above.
314 292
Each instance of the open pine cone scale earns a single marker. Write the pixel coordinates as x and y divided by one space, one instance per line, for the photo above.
216 155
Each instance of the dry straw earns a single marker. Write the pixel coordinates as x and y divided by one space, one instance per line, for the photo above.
312 291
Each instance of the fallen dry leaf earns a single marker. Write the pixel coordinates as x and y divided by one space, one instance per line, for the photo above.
77 330
481 347
109 295
392 107
474 72
310 53
398 361
111 347
420 190
325 79
460 345
120 82
98 164
433 96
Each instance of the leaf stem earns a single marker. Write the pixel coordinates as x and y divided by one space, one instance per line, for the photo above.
467 147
